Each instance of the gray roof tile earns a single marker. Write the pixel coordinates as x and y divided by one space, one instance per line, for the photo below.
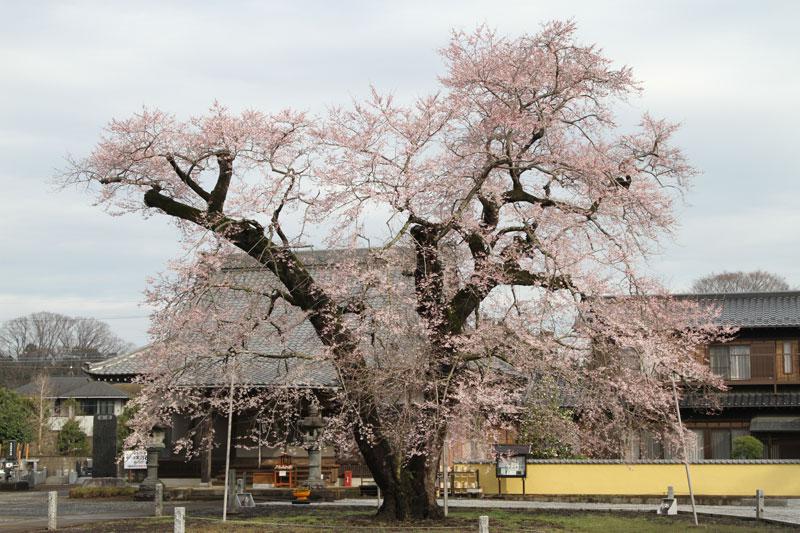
74 387
754 310
255 280
729 400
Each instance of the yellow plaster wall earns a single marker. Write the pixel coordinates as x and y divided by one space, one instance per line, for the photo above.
646 479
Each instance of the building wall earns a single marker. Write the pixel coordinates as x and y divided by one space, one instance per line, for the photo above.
86 422
647 479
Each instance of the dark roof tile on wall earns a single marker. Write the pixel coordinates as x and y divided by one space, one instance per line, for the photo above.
732 400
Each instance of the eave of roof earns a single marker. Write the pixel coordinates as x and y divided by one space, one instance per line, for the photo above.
734 400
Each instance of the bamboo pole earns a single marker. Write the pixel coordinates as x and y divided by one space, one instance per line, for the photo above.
228 448
685 455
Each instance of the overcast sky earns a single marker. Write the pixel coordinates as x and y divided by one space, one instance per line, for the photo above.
728 71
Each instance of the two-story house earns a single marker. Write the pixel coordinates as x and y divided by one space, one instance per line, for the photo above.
761 368
78 397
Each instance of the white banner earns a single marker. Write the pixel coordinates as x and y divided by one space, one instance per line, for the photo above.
134 459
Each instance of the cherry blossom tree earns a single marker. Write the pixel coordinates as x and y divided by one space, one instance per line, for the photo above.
499 216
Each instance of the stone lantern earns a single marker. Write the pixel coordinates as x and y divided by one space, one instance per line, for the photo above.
147 488
312 429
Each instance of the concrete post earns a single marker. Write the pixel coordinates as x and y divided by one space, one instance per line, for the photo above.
52 510
158 500
180 519
759 504
483 524
670 492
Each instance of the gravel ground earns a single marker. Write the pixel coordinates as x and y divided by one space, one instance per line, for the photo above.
27 510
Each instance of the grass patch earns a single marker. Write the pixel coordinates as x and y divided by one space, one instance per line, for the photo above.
101 492
358 520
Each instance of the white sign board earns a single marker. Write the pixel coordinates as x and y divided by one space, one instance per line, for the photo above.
134 459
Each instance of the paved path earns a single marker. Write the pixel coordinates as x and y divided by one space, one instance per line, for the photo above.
788 515
27 510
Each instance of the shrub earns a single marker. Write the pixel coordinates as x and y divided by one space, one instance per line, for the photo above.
16 416
122 425
747 447
100 492
72 440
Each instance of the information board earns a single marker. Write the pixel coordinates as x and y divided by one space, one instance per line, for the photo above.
134 459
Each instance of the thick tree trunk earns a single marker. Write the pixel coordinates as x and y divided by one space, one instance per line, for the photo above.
408 489
411 493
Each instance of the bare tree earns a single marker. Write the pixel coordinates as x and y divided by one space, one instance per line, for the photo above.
42 405
52 336
755 281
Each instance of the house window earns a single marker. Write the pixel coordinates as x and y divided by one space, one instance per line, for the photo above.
740 362
87 407
95 407
731 362
105 407
721 444
695 444
787 357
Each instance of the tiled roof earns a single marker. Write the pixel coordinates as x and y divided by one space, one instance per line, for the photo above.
754 309
126 364
74 387
283 358
775 423
728 400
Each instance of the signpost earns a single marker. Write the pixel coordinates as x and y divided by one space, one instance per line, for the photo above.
134 459
512 461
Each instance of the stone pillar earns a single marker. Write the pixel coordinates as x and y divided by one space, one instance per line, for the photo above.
52 510
315 467
312 426
180 519
205 455
759 504
232 488
159 499
483 524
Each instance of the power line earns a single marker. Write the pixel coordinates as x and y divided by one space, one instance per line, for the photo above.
46 320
